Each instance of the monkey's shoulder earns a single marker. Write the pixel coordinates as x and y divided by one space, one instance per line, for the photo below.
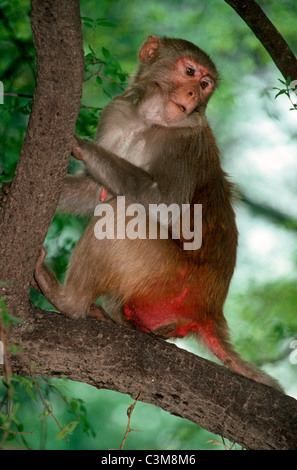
119 116
122 132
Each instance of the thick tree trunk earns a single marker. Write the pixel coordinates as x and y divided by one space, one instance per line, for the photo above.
47 145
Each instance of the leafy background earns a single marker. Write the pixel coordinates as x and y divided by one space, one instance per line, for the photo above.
257 137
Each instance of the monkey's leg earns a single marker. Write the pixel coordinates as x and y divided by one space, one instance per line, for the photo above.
46 282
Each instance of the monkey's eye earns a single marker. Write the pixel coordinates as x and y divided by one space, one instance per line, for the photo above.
204 85
190 71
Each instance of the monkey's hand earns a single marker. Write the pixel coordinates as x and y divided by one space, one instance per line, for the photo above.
119 176
76 148
4 190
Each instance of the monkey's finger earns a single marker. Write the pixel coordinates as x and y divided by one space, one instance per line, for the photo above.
76 151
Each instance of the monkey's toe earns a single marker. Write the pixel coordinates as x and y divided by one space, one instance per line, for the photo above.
165 330
97 312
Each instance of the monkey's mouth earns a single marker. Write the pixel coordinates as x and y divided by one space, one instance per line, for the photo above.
181 107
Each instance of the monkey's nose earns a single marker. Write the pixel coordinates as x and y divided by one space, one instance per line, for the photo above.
192 95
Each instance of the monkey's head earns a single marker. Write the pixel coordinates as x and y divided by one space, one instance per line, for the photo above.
183 73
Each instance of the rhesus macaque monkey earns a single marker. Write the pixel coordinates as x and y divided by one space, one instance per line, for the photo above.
154 145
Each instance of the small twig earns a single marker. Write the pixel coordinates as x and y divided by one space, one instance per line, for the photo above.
91 107
20 95
16 432
47 407
104 77
129 412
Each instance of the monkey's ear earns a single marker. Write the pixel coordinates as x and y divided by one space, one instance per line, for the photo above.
148 50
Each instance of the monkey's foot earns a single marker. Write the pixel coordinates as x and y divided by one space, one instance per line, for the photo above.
165 330
38 267
97 312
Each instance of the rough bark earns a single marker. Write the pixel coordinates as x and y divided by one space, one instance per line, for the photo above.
127 361
268 35
47 145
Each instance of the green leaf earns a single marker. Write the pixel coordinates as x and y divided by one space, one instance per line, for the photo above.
107 24
72 426
106 53
281 92
107 93
61 435
44 415
91 49
67 429
122 77
8 319
74 405
86 18
30 392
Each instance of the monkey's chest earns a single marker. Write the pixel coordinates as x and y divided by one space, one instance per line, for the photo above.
128 143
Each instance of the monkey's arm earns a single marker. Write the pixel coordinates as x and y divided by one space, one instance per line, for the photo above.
119 176
80 194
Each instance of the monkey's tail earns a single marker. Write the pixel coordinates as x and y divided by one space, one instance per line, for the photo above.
216 337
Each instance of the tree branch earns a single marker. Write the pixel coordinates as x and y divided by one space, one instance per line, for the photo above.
117 358
273 215
268 35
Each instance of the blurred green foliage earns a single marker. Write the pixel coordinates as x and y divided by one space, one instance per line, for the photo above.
261 308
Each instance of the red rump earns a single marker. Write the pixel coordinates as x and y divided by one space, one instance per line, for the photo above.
150 317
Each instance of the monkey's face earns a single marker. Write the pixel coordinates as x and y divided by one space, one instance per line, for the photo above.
191 87
178 78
